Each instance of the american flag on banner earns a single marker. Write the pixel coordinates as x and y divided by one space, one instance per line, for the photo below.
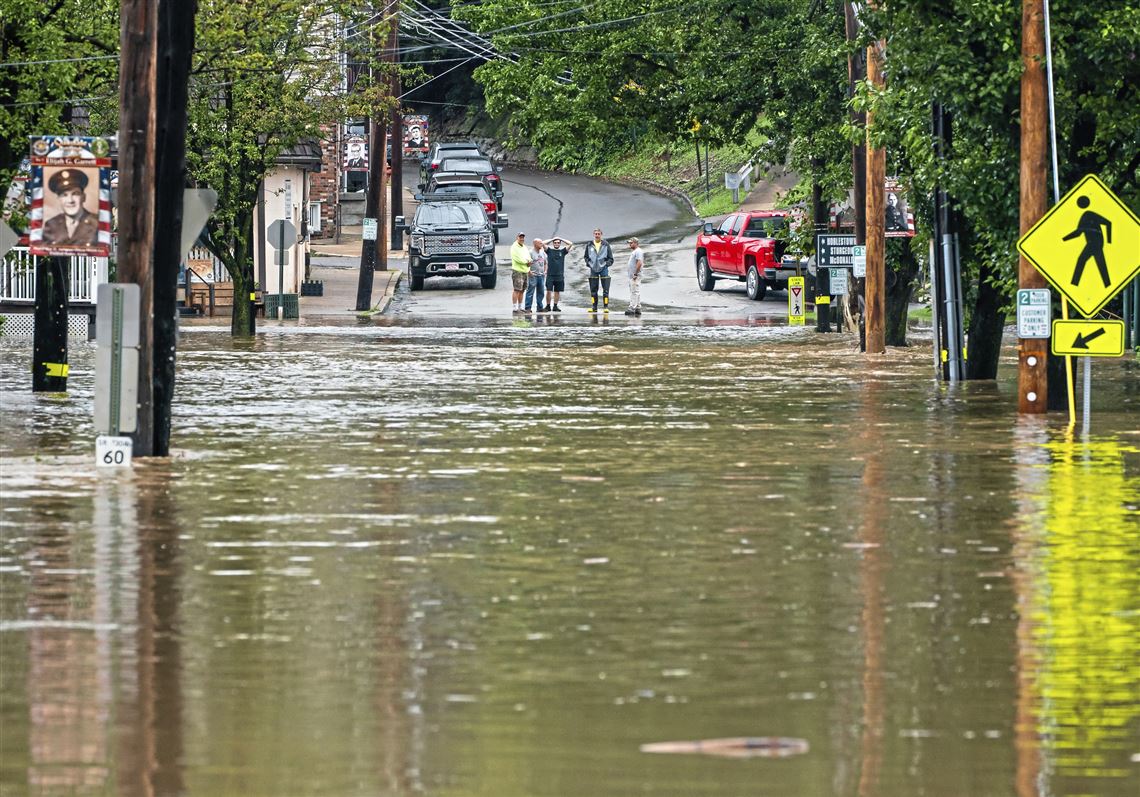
70 184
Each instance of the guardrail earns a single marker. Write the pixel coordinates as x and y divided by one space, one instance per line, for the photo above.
18 277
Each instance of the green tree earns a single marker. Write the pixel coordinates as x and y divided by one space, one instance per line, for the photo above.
267 75
55 57
967 56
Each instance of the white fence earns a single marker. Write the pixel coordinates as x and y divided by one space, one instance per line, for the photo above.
18 277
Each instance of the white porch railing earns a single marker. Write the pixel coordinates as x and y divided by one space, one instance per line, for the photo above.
18 277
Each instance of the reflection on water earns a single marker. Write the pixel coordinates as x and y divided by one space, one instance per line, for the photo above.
498 561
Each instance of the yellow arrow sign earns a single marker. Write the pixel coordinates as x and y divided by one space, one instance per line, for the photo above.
1088 338
1087 245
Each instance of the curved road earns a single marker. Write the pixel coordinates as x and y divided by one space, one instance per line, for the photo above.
544 204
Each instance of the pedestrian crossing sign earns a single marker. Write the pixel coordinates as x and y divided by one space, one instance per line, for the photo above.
796 301
1087 245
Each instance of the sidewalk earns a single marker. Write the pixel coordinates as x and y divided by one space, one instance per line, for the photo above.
339 297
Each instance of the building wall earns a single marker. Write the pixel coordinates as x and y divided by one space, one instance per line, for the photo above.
324 185
271 209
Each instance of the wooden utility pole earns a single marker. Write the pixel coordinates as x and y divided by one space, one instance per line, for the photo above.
876 218
397 133
856 72
175 48
1033 354
374 253
138 38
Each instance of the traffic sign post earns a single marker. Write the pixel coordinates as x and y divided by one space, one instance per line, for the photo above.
279 233
116 369
1088 247
1095 338
796 301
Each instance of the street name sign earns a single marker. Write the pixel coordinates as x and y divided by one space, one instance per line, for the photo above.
833 251
1088 338
1087 245
1034 311
858 261
796 301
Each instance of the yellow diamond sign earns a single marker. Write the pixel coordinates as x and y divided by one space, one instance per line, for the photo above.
1087 245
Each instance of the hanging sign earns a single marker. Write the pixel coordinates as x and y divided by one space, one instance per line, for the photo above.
71 196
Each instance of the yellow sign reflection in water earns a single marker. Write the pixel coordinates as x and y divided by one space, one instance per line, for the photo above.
1087 623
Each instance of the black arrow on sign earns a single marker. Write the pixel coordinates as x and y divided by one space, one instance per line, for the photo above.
1082 342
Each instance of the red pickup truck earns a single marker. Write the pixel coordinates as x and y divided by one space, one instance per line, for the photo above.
744 247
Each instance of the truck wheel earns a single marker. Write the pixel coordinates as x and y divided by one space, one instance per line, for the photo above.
705 280
756 286
488 280
416 283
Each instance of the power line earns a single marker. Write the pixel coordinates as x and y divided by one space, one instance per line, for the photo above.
4 64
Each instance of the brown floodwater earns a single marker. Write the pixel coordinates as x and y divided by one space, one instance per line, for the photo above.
507 561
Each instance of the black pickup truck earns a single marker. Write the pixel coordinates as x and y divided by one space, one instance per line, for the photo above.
451 236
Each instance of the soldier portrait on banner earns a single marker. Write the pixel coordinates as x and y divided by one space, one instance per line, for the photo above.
71 196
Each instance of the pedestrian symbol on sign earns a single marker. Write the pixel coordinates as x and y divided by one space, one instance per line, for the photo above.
1089 226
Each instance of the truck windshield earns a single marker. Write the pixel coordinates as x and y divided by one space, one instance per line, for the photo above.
449 214
765 227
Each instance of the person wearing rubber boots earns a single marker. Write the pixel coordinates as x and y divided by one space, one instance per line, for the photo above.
599 257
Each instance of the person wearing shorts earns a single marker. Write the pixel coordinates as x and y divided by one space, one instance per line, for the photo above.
520 267
556 253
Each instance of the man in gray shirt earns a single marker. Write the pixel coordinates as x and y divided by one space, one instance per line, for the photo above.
633 271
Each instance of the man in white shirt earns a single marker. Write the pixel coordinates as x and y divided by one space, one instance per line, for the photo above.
633 271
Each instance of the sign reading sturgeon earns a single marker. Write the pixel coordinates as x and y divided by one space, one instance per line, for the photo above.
833 251
1087 245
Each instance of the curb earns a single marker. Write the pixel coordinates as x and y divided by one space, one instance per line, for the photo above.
385 300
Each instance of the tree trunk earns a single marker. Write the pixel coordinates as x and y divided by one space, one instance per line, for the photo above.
900 285
986 324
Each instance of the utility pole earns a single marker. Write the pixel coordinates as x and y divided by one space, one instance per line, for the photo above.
49 337
397 134
372 250
1032 354
876 218
138 37
175 48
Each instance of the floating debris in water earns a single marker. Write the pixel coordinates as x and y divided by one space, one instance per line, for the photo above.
596 560
738 747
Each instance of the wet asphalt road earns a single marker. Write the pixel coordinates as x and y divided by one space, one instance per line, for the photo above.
544 204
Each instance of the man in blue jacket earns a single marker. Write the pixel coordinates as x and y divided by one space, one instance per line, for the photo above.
599 258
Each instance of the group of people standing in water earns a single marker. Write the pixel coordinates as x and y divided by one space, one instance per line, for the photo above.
538 271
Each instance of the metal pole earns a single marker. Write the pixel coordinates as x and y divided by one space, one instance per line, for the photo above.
708 190
281 273
1136 313
1069 381
1086 398
936 308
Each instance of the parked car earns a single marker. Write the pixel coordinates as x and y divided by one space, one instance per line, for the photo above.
463 183
746 247
451 236
481 166
440 150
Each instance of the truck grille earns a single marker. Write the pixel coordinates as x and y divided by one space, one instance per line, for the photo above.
451 244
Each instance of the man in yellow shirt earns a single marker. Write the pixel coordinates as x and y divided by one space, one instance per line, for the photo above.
521 256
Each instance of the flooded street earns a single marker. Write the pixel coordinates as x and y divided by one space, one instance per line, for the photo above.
496 560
